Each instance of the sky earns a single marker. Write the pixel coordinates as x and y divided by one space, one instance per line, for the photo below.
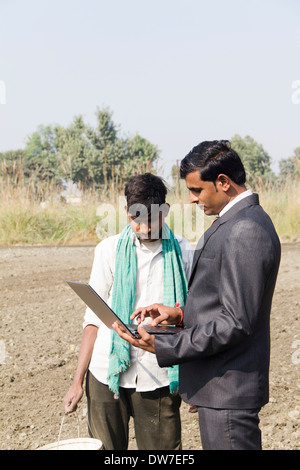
177 72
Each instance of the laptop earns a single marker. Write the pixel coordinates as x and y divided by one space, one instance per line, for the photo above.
108 317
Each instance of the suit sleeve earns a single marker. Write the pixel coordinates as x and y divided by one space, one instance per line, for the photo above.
247 258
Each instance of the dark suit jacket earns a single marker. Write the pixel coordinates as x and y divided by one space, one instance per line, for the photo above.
224 351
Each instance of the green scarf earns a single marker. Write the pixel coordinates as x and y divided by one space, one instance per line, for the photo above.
123 297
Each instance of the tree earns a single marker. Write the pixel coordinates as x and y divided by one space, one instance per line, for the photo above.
75 151
41 154
107 147
256 160
290 167
140 153
90 157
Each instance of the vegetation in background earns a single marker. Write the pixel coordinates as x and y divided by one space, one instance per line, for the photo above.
90 157
34 202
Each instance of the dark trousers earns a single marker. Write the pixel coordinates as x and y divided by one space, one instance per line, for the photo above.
156 417
229 429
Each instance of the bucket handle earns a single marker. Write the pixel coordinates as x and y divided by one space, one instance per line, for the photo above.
61 426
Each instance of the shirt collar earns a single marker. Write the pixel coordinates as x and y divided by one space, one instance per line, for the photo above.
137 243
234 201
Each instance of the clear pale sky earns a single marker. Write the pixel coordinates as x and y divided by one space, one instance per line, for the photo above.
175 71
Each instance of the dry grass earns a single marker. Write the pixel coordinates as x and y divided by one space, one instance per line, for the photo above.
283 206
24 220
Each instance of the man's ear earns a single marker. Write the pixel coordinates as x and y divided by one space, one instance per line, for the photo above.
223 182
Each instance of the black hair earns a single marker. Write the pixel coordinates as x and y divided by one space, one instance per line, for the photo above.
145 190
212 158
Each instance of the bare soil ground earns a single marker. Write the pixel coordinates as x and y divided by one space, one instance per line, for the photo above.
40 333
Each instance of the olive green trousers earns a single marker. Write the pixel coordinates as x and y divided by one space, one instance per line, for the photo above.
156 417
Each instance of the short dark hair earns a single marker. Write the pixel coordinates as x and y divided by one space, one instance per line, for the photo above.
212 158
145 190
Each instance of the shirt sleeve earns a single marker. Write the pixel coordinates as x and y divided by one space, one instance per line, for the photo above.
102 275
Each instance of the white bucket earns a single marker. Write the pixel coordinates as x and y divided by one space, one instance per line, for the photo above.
81 443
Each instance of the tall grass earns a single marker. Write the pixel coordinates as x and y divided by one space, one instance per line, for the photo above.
283 206
30 224
24 220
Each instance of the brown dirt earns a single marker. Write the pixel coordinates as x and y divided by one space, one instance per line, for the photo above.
40 333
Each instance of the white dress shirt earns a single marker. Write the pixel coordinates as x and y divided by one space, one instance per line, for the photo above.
234 201
144 374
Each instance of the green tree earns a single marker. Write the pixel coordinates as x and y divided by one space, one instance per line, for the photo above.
90 157
107 147
41 154
74 152
256 160
290 167
116 158
140 154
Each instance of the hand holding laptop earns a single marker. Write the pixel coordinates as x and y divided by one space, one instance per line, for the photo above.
146 340
108 317
160 314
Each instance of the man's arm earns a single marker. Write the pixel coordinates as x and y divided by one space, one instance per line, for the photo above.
247 260
101 280
159 314
75 393
246 263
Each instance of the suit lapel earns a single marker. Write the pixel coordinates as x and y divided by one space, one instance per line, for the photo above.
201 244
248 201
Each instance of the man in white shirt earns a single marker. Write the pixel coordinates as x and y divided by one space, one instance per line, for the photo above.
143 390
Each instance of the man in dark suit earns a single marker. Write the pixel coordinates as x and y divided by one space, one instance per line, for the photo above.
224 348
